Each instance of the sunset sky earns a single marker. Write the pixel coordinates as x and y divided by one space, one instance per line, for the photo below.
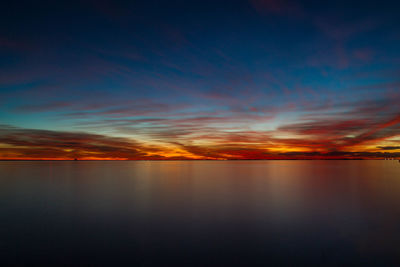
256 79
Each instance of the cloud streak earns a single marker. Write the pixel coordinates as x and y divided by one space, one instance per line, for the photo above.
19 143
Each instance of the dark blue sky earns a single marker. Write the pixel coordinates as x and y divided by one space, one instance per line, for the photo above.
200 79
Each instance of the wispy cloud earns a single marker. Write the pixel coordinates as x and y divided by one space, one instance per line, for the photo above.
17 143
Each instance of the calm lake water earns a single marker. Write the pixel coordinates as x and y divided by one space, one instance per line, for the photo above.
200 213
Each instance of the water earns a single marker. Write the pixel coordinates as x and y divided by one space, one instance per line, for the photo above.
200 213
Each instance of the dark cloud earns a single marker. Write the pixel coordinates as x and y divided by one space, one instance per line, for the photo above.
389 147
30 143
279 7
18 143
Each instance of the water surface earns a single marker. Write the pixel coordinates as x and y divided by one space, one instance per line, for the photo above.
200 213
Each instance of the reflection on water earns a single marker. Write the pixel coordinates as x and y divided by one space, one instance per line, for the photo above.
200 212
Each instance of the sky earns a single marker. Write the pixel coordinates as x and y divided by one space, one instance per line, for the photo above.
251 79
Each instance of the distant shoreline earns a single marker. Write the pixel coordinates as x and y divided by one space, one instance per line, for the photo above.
180 159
